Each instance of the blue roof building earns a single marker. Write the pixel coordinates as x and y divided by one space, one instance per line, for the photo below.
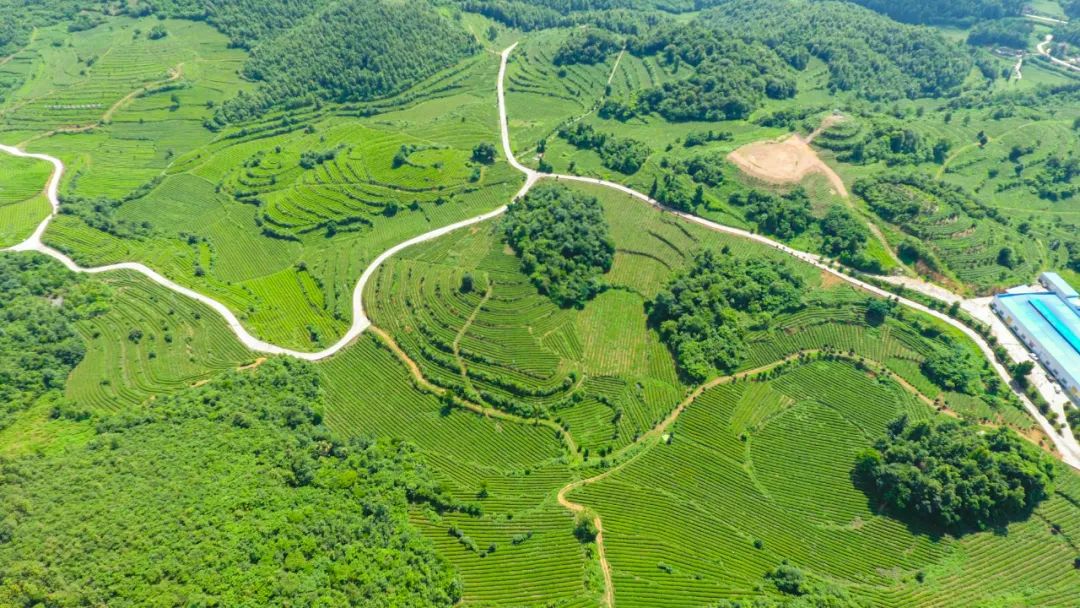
1048 322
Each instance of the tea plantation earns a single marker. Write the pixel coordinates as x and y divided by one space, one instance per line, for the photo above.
552 392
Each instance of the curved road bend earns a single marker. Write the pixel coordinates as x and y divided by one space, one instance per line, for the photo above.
1042 46
1066 445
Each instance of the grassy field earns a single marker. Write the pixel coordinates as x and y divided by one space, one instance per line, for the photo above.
22 199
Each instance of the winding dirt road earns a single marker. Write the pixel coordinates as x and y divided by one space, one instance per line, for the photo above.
1044 51
1066 444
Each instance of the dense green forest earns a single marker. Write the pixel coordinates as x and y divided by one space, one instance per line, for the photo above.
229 494
39 300
563 241
704 312
955 476
1013 33
953 12
866 53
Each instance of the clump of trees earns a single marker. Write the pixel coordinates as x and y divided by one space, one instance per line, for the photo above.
1013 33
309 159
563 241
955 476
785 216
589 46
703 313
844 236
952 369
700 138
622 154
484 153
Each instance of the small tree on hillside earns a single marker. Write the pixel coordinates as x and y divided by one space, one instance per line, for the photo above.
484 153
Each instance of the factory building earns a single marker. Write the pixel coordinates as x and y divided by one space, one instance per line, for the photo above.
1048 323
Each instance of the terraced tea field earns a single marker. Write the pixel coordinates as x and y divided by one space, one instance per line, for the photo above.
22 200
540 421
276 220
756 472
151 342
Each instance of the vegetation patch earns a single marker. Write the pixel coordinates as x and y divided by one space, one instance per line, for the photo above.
704 312
563 241
955 476
39 346
268 494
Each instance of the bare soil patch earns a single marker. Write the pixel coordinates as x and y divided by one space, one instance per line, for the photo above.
787 161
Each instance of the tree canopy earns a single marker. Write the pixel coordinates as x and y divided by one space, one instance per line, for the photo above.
589 46
866 53
953 475
39 347
704 311
785 216
349 50
946 12
562 238
232 493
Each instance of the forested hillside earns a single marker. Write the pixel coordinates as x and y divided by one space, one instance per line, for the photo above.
744 52
866 53
958 12
302 51
39 347
229 494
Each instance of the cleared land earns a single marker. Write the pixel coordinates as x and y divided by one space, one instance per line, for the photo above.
786 162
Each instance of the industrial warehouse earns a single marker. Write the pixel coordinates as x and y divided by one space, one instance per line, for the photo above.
1048 322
